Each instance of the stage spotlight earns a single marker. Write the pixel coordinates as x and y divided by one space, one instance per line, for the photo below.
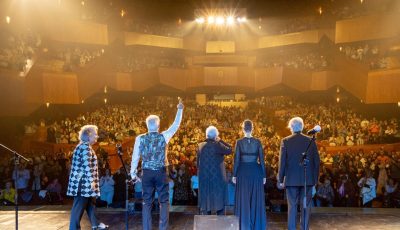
398 104
241 19
230 20
210 20
320 10
220 20
105 100
47 104
200 20
8 19
337 99
122 13
83 3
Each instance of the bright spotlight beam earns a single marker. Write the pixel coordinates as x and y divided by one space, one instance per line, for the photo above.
210 20
220 20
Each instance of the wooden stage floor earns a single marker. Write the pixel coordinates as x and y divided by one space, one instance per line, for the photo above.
181 218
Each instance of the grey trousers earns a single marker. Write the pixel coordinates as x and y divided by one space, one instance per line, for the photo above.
79 205
155 180
295 195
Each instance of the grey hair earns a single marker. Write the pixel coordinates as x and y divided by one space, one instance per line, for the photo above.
212 132
87 132
296 124
152 123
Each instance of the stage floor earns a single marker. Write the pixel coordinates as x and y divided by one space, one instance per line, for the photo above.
181 218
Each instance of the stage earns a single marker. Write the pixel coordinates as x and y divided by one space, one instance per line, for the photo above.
181 218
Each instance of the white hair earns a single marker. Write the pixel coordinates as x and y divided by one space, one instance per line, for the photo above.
87 133
296 124
212 132
153 123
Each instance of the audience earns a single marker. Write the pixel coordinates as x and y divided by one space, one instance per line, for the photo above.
340 170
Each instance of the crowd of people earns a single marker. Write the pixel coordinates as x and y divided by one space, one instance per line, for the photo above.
171 29
142 59
371 55
75 56
310 61
341 127
18 50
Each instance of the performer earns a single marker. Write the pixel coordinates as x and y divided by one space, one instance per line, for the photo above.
152 146
211 172
291 171
249 177
83 182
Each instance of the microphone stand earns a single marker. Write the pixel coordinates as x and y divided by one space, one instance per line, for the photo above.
127 183
304 162
17 156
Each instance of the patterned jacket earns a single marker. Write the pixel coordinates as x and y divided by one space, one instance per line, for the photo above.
84 170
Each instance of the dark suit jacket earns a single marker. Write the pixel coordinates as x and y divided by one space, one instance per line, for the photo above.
290 167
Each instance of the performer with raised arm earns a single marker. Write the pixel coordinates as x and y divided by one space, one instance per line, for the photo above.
152 147
83 182
291 171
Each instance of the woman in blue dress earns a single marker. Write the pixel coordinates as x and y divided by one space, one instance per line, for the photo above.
249 176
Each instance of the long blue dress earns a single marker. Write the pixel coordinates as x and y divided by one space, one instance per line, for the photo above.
249 170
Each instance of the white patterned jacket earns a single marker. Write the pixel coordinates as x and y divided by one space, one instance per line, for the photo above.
84 171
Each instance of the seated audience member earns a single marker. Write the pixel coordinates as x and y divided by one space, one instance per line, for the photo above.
325 194
7 195
367 186
391 189
107 187
346 192
54 191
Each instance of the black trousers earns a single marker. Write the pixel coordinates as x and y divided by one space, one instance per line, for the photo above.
295 195
81 204
155 180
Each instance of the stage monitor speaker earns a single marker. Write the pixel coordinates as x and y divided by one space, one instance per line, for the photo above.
215 222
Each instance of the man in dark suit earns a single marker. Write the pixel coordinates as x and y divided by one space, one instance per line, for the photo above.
291 171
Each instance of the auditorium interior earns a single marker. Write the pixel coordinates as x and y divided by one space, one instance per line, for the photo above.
111 63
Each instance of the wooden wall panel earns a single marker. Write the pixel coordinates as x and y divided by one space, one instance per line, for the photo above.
152 40
78 31
220 76
194 43
175 78
352 76
246 77
322 80
220 47
312 36
143 80
297 79
60 88
123 81
267 77
220 60
196 77
371 27
383 86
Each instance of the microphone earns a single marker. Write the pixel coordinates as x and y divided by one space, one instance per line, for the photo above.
314 130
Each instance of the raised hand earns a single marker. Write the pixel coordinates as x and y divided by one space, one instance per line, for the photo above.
180 104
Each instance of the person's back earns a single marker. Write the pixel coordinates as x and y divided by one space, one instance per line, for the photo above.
291 171
294 147
211 173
